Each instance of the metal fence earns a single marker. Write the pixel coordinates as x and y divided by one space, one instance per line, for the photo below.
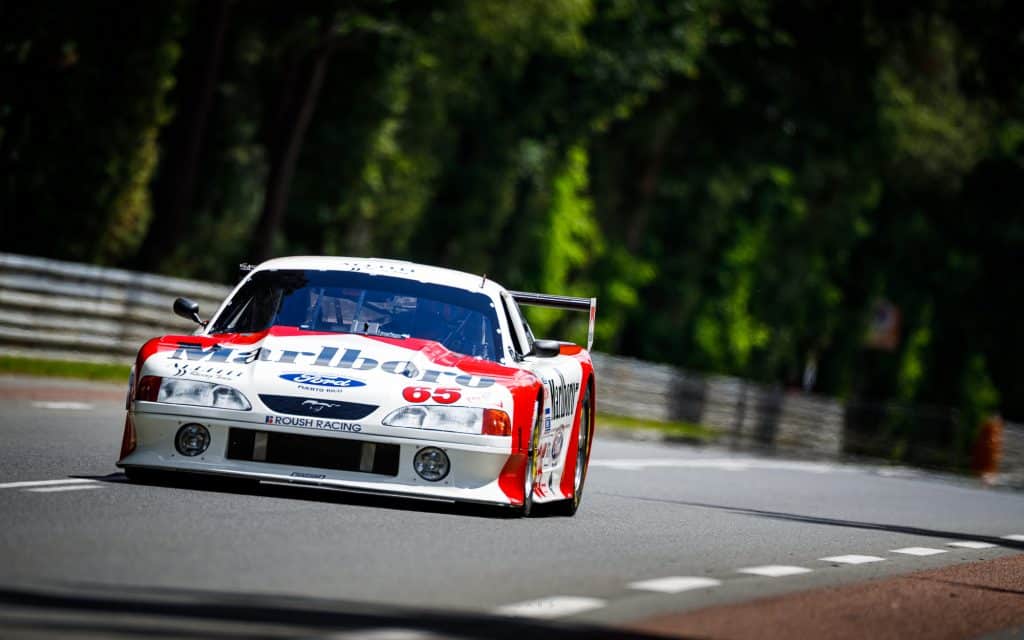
64 310
747 414
1012 467
70 311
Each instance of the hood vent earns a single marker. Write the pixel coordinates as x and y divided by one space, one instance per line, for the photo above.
318 407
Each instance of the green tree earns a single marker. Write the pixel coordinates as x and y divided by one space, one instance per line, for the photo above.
79 137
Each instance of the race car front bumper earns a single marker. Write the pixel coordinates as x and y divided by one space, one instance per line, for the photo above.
365 461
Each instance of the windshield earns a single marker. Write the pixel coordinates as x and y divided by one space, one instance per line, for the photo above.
349 302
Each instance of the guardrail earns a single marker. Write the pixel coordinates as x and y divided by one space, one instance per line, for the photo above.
69 311
1011 468
747 414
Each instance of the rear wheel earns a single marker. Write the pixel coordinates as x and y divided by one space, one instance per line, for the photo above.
569 507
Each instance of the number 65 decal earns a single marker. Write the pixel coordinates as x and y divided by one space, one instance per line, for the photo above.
422 394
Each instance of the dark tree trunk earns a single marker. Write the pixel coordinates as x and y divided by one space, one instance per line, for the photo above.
176 184
647 182
301 89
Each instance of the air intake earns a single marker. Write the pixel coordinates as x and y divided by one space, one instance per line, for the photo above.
318 407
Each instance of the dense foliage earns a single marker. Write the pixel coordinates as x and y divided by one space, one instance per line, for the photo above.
740 182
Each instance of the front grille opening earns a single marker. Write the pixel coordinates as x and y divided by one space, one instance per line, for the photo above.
318 407
312 451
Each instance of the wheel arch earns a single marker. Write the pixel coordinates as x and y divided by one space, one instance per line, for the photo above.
588 389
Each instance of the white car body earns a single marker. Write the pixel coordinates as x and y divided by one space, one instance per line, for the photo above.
319 400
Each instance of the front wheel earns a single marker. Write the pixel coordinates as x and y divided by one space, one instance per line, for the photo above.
531 463
583 438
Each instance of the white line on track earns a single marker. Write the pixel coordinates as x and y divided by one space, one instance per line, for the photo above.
675 584
65 406
852 559
970 544
774 570
45 483
553 607
919 551
897 472
384 634
721 464
559 606
74 487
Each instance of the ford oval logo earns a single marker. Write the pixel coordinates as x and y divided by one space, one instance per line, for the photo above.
322 380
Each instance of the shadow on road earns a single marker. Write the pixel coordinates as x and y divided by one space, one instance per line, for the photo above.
834 522
134 612
326 495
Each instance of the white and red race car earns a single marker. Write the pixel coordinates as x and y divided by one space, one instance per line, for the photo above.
369 375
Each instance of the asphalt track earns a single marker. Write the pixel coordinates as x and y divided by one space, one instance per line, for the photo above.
666 534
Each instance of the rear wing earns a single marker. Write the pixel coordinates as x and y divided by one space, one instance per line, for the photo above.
561 302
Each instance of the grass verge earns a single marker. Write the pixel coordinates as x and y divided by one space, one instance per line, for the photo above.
679 430
64 369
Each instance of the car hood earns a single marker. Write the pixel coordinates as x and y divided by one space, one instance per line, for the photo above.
347 376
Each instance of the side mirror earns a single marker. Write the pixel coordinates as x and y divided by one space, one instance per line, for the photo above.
546 348
188 309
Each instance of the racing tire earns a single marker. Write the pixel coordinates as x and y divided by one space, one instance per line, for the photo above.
531 464
583 439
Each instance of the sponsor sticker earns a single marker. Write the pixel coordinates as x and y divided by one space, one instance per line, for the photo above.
300 474
422 394
314 423
316 406
563 396
556 446
205 372
193 352
328 358
322 380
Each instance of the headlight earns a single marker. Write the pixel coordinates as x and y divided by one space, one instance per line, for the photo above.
431 464
201 394
192 439
458 419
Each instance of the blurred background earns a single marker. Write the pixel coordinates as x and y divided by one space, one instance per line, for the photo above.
810 196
